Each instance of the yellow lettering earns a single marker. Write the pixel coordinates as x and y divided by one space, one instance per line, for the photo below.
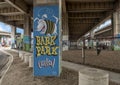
54 49
38 51
47 39
45 45
38 40
48 50
42 50
53 40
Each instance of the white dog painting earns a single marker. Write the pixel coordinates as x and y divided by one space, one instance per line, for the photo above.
46 26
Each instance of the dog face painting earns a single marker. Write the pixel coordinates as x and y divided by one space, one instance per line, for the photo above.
46 26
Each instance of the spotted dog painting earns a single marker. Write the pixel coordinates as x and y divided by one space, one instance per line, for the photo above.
46 41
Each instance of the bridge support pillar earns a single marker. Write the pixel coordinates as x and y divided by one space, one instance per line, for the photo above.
91 39
27 34
13 32
116 30
65 30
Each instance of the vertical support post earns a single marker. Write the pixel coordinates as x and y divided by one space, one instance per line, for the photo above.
27 34
65 32
113 25
83 51
13 32
116 28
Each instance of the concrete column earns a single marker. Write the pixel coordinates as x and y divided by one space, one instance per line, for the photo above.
91 39
27 33
13 32
116 29
65 32
83 51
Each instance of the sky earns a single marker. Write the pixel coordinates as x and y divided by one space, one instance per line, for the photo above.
20 30
7 28
4 27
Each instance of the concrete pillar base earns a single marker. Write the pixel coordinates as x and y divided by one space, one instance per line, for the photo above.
93 77
31 61
22 57
26 57
65 43
20 54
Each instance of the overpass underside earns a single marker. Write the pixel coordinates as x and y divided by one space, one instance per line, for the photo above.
78 16
84 15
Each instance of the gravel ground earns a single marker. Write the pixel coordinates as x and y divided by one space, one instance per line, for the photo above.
20 74
109 60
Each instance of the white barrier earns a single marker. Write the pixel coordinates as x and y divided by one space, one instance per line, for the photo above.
90 76
31 61
21 54
26 57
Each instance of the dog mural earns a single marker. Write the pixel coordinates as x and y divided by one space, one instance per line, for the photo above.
45 26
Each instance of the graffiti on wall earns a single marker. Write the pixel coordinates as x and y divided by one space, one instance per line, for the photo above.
46 41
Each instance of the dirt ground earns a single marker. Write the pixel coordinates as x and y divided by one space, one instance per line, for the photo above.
20 74
109 60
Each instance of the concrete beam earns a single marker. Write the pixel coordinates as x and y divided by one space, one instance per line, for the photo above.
89 7
86 11
90 20
21 22
83 17
19 5
82 22
117 5
103 31
1 1
91 14
15 18
9 11
39 2
2 18
102 21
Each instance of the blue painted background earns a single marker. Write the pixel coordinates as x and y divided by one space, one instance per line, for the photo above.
46 71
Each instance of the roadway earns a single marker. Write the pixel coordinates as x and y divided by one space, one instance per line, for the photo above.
3 60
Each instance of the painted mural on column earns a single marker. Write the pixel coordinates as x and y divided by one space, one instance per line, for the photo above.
46 41
117 42
26 40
